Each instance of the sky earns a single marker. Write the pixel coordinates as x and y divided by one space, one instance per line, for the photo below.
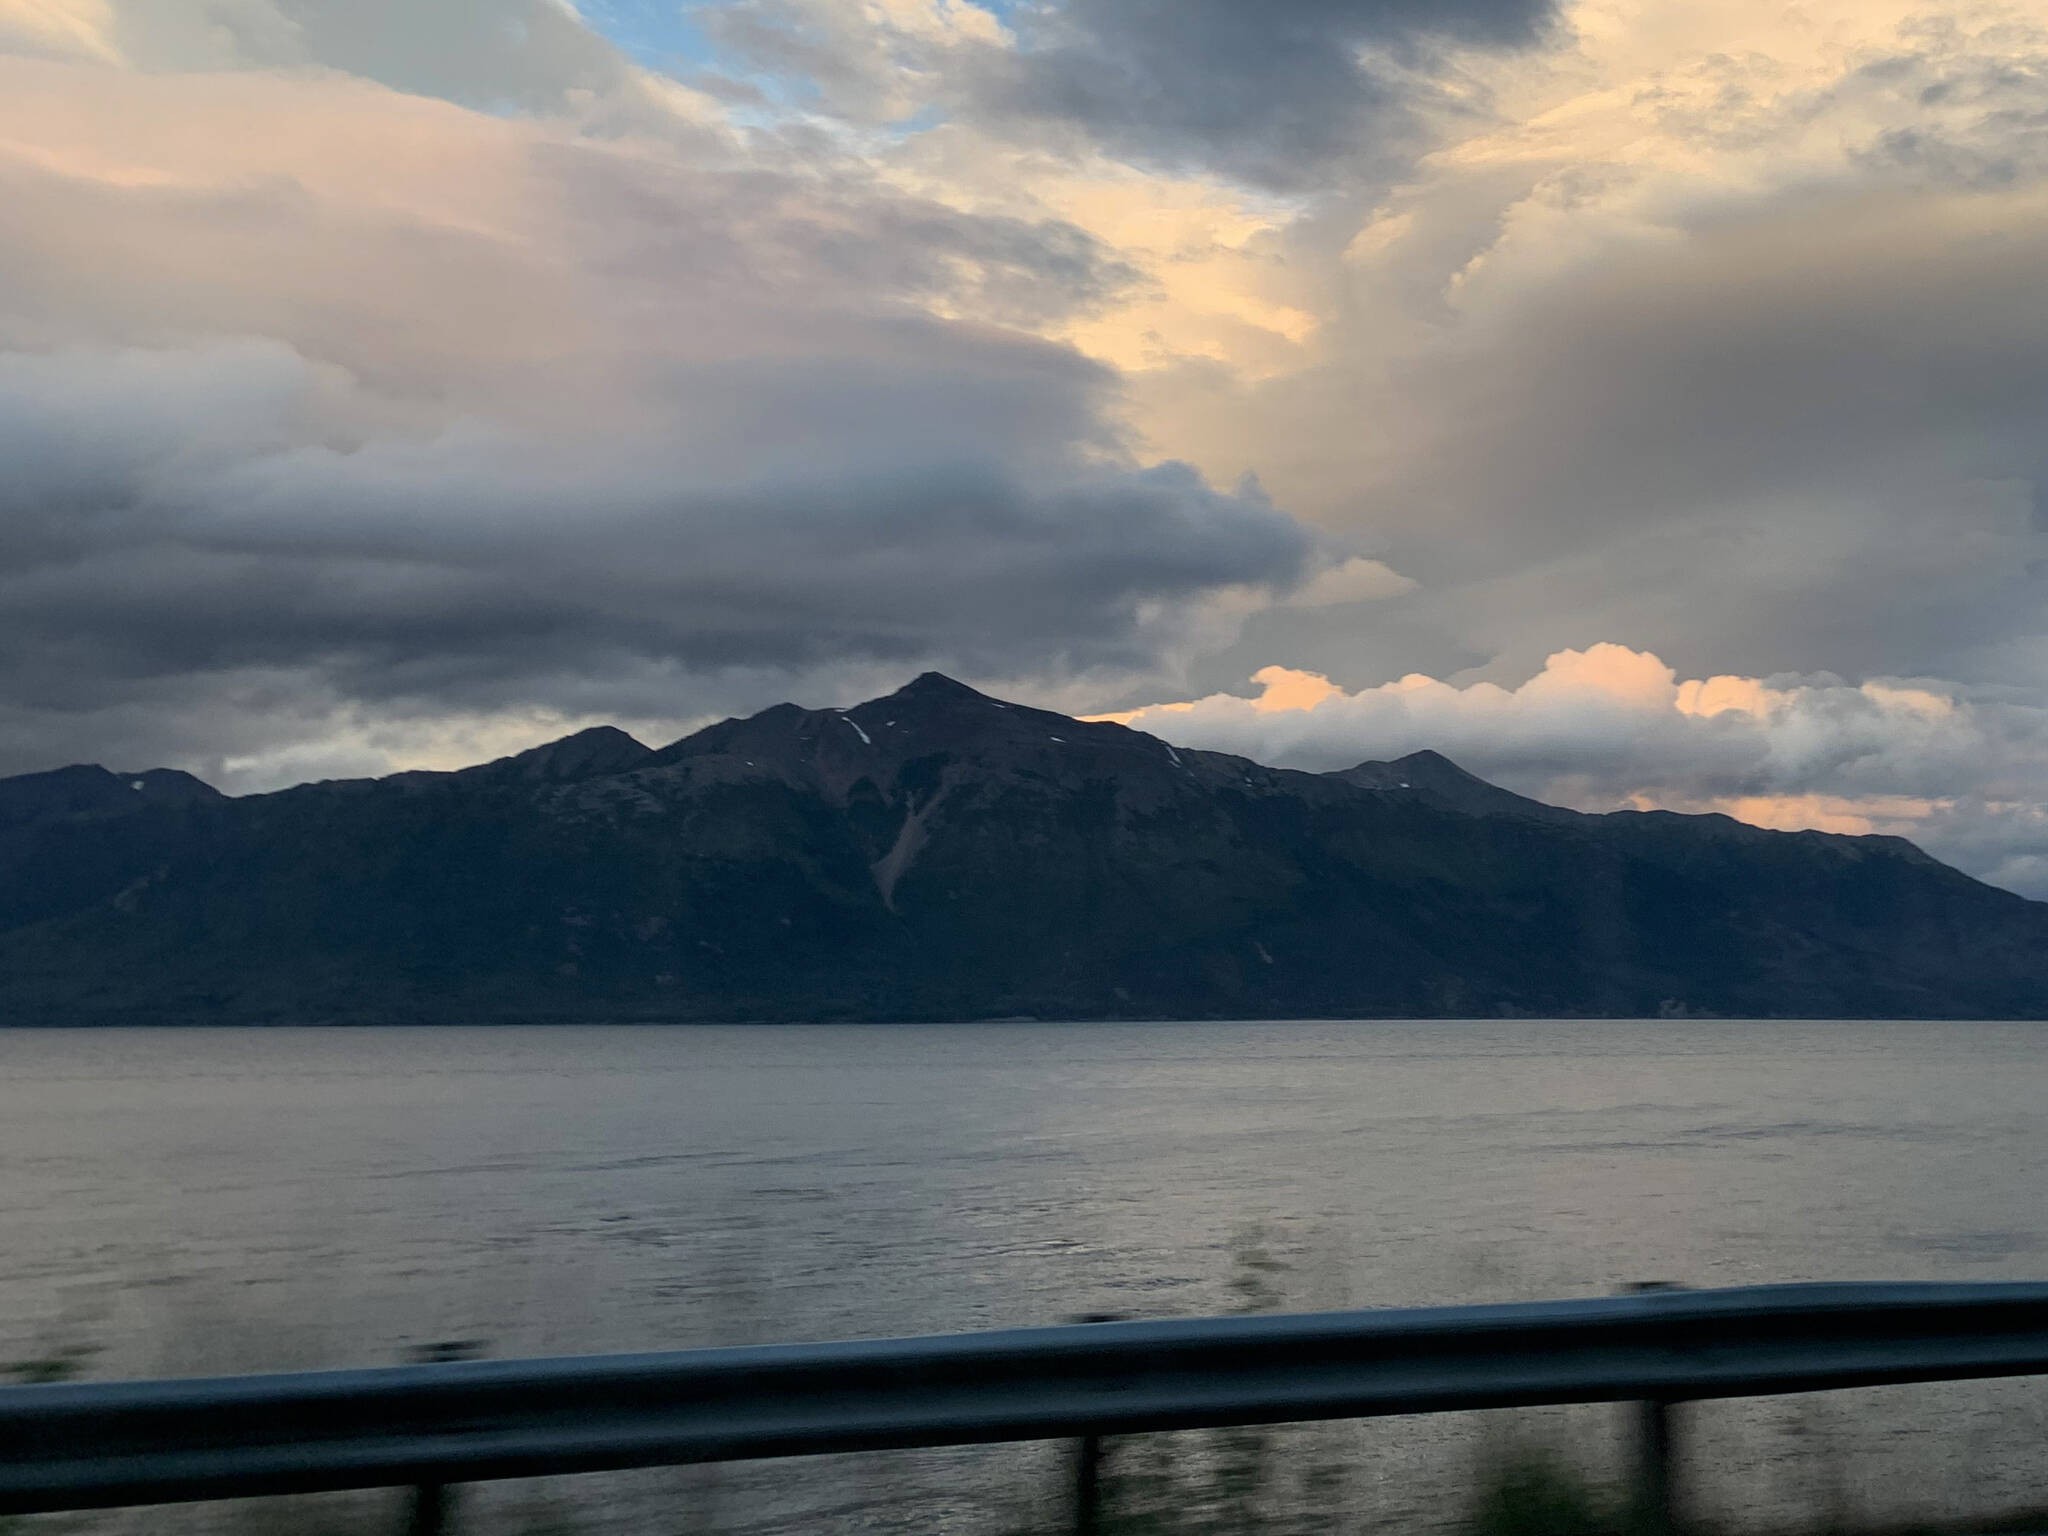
1644 404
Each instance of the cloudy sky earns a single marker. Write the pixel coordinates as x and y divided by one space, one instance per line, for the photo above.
1644 403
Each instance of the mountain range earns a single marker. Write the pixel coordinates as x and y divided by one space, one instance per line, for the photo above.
940 854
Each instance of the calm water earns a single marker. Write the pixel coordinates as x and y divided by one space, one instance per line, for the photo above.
203 1201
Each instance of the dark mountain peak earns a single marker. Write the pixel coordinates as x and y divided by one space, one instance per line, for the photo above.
904 746
164 784
76 778
1434 778
597 752
932 685
610 734
936 696
87 789
775 735
785 733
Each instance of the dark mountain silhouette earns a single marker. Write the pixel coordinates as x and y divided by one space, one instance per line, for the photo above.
591 754
87 790
1435 780
941 854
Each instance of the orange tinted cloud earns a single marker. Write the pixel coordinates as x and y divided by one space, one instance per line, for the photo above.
1857 816
1288 689
1609 726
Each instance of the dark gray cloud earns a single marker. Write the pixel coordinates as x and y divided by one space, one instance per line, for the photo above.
1276 94
459 566
531 423
1279 95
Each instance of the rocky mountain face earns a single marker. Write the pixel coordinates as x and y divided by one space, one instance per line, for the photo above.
938 854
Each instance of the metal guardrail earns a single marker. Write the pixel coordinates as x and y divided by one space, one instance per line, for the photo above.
100 1444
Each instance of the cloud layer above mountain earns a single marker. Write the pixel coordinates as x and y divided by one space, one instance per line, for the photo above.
1608 728
439 410
390 384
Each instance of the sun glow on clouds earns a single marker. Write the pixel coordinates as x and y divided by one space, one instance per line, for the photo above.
1898 815
1285 689
60 28
1210 279
1609 727
947 22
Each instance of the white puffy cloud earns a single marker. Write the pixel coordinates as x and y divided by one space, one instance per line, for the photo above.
1611 722
1607 728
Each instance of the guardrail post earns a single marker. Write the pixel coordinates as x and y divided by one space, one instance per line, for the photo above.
1088 1462
1653 1468
429 1513
432 1510
1655 1499
1088 1487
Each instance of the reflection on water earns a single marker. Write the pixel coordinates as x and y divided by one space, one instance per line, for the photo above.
199 1201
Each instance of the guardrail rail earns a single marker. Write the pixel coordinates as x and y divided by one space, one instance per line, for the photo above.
428 1426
